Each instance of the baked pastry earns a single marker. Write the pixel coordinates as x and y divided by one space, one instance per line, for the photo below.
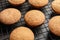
10 16
54 25
56 6
34 18
16 2
38 3
22 33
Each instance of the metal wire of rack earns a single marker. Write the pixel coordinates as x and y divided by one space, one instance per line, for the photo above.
41 33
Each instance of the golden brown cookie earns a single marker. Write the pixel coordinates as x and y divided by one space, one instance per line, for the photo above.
0 17
22 33
54 25
10 16
38 3
56 6
34 18
16 2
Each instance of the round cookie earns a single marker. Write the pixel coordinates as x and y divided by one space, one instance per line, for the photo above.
34 18
56 6
22 33
10 16
39 3
0 18
54 25
16 2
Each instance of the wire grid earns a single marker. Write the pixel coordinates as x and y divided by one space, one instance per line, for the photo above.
41 33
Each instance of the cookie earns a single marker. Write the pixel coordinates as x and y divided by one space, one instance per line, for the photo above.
22 33
16 2
10 16
56 6
39 3
54 25
34 18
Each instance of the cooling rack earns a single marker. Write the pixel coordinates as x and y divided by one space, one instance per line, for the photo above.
41 33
